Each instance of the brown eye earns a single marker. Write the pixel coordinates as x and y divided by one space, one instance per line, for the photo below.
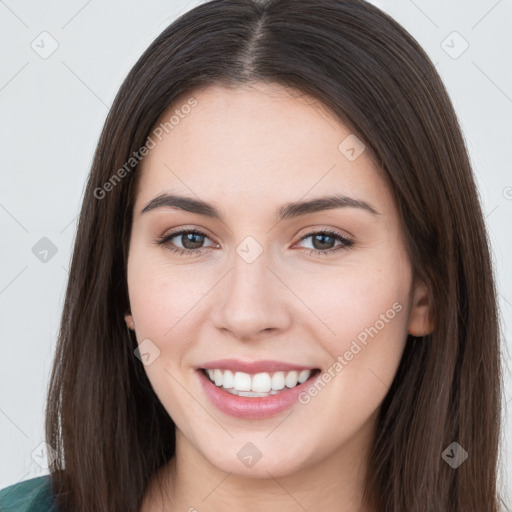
324 241
192 241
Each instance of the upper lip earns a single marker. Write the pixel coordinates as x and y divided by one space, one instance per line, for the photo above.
267 365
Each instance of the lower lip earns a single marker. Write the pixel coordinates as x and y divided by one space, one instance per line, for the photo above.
253 407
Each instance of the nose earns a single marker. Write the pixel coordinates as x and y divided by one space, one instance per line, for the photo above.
252 301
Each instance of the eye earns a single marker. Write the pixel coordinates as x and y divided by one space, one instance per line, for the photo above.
324 239
191 240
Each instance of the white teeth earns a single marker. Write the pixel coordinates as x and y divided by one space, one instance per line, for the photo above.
259 384
242 381
251 393
291 379
228 379
217 377
304 376
278 381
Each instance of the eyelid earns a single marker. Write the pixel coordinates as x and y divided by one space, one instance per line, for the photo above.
312 230
346 242
186 229
169 235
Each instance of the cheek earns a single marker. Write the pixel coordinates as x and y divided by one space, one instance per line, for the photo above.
161 295
162 302
357 303
368 323
166 303
364 319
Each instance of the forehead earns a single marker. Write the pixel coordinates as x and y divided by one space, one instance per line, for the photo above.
262 140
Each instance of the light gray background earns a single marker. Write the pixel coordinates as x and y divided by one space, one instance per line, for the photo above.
52 110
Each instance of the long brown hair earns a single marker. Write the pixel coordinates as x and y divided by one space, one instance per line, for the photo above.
110 430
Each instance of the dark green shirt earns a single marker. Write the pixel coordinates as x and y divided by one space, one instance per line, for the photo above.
34 495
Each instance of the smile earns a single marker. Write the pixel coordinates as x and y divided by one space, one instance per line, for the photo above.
259 384
254 390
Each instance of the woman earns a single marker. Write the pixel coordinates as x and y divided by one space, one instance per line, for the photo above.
281 294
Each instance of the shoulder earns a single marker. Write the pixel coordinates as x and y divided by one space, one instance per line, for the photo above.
34 495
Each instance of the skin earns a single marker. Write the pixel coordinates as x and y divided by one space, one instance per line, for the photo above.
248 151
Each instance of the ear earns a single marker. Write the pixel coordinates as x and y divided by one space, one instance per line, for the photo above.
420 316
128 318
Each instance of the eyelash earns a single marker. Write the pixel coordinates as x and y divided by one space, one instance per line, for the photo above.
164 240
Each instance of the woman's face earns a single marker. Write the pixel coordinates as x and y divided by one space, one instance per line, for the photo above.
263 287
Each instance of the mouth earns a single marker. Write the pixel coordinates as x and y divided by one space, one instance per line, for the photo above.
258 385
261 395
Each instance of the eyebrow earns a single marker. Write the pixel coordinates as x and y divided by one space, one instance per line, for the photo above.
286 211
